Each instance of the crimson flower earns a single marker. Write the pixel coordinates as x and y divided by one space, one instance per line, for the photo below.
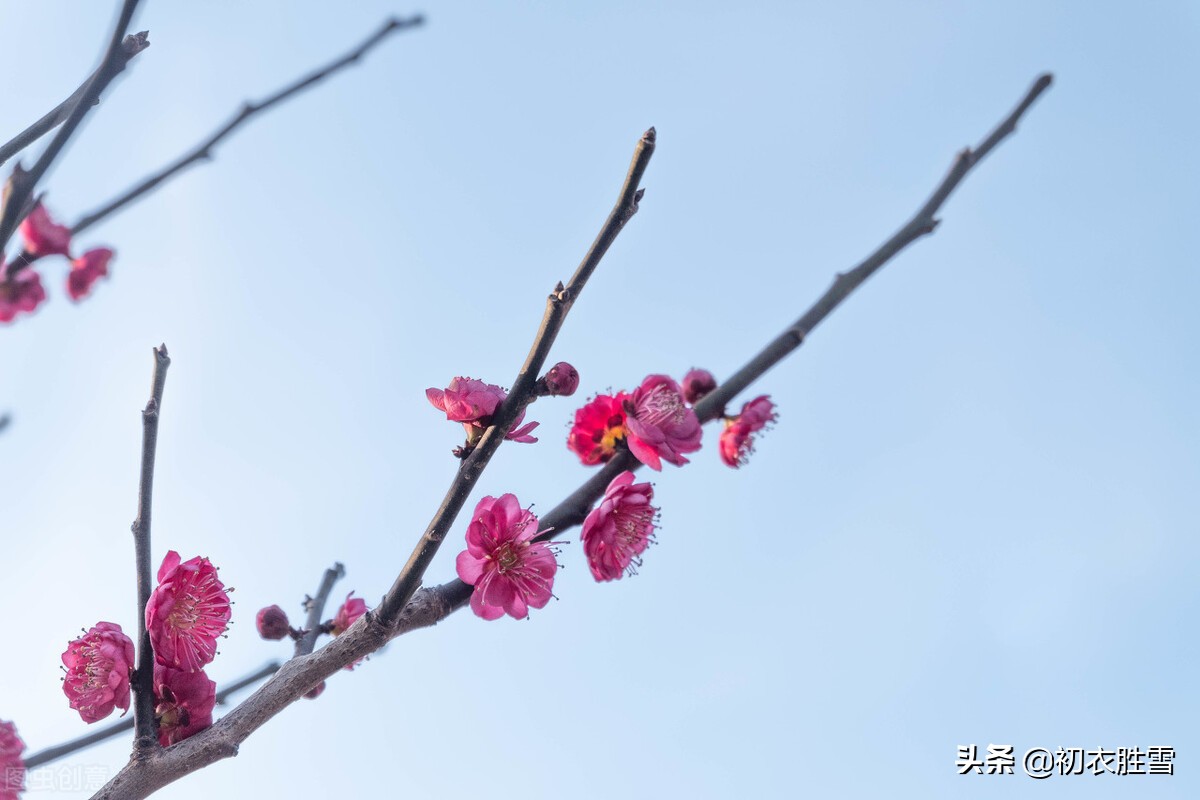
22 292
43 236
183 703
187 612
86 270
348 614
511 573
98 667
617 532
473 402
660 427
12 766
737 440
599 427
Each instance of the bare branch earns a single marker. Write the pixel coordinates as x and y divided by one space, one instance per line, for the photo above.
316 609
65 749
130 47
143 677
557 306
22 183
204 150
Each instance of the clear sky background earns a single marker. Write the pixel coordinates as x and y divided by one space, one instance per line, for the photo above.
974 523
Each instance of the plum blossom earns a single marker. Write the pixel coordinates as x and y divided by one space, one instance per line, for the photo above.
272 623
98 666
86 270
660 427
617 532
348 614
183 703
599 427
697 383
12 766
187 612
473 402
561 380
43 236
19 293
511 573
737 440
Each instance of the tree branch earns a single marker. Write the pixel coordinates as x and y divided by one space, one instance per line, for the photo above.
557 306
203 151
316 609
429 606
130 47
143 677
58 751
22 183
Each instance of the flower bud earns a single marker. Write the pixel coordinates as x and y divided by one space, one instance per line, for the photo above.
315 692
696 384
562 380
273 623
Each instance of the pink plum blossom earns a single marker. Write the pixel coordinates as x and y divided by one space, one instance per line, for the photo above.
43 236
19 293
598 428
98 667
86 270
617 532
660 427
12 766
696 384
183 703
511 573
187 612
737 440
348 614
473 402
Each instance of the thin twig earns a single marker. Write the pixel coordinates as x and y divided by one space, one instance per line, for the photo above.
131 46
316 609
49 754
427 607
143 678
22 183
204 150
557 306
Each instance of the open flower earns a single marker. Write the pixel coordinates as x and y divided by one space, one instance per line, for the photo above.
22 292
183 703
617 532
660 427
599 427
12 766
511 573
473 402
737 440
86 270
43 236
187 612
98 667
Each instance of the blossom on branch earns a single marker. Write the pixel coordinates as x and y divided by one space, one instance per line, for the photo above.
561 380
21 292
187 612
737 440
660 427
697 383
473 402
12 766
511 573
599 427
86 270
43 236
183 703
98 666
348 614
618 531
272 623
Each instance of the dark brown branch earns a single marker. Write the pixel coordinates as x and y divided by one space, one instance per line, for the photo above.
143 677
557 306
46 756
22 183
429 606
131 46
316 609
204 150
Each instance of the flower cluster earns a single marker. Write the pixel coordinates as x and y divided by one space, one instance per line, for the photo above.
473 402
12 766
654 422
21 286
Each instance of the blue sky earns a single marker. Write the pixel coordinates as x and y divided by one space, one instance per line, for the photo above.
974 523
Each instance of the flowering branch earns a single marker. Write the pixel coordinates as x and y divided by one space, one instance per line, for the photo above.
130 47
558 304
143 679
58 751
22 183
316 609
